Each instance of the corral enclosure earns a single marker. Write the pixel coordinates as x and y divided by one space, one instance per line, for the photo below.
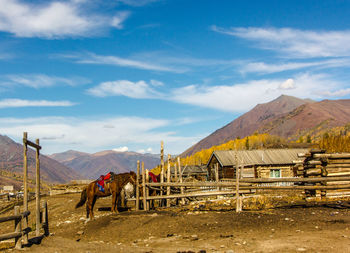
205 218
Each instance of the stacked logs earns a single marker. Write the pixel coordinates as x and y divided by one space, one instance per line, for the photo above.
317 163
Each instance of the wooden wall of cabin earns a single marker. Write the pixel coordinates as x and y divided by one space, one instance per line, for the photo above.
265 171
211 168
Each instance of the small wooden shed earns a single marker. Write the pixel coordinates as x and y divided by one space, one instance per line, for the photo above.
257 163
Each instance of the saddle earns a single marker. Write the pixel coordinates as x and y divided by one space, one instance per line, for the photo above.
104 180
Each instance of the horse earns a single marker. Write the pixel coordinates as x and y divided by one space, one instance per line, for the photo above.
127 193
114 187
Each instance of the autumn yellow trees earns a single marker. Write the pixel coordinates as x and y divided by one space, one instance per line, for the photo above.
255 141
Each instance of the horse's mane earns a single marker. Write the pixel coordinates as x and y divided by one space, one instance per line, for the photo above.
125 177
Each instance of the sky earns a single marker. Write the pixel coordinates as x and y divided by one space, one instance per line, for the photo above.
125 74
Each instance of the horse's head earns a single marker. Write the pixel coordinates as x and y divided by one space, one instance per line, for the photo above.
132 177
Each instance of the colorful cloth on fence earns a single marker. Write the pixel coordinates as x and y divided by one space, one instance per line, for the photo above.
101 181
153 177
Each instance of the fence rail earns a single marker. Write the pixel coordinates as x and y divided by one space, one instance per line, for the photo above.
234 187
18 233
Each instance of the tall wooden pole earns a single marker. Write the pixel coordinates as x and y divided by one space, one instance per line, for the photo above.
217 177
25 172
37 192
175 171
137 206
180 175
161 166
144 186
237 186
147 191
25 185
168 181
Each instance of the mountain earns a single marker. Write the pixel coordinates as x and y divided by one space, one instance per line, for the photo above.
310 119
249 122
94 165
11 164
286 116
68 155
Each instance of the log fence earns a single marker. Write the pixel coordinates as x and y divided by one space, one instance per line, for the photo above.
21 236
318 172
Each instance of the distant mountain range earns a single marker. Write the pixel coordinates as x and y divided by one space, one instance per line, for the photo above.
286 116
91 166
11 164
66 166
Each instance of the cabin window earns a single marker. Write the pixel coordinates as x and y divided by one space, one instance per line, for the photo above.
275 173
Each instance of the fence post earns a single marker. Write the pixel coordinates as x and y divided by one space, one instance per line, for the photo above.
168 181
25 175
45 219
217 176
238 208
18 228
180 175
37 190
162 168
175 171
138 186
147 190
144 186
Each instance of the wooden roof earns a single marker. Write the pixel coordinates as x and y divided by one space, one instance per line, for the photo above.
257 157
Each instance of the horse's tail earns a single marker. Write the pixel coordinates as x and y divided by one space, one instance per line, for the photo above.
82 199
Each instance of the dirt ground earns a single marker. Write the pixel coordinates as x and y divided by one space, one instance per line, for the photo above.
313 229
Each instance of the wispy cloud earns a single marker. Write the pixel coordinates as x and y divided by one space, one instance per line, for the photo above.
121 149
13 102
54 19
126 88
335 93
137 3
234 97
294 42
64 133
91 58
231 98
40 80
265 68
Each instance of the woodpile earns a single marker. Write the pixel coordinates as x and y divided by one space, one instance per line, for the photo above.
318 163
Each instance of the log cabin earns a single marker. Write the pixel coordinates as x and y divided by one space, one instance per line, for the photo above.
257 163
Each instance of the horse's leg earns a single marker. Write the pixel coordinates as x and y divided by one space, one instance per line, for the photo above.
122 198
89 205
114 202
92 206
87 209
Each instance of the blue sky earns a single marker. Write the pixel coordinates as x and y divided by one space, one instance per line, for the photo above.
126 74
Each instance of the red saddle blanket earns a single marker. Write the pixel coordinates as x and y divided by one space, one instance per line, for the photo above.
153 177
101 181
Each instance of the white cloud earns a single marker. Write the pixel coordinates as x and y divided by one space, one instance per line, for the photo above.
336 93
12 102
91 58
55 19
242 97
121 149
58 134
137 2
143 151
294 42
126 88
156 83
287 85
265 68
117 20
233 98
41 80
